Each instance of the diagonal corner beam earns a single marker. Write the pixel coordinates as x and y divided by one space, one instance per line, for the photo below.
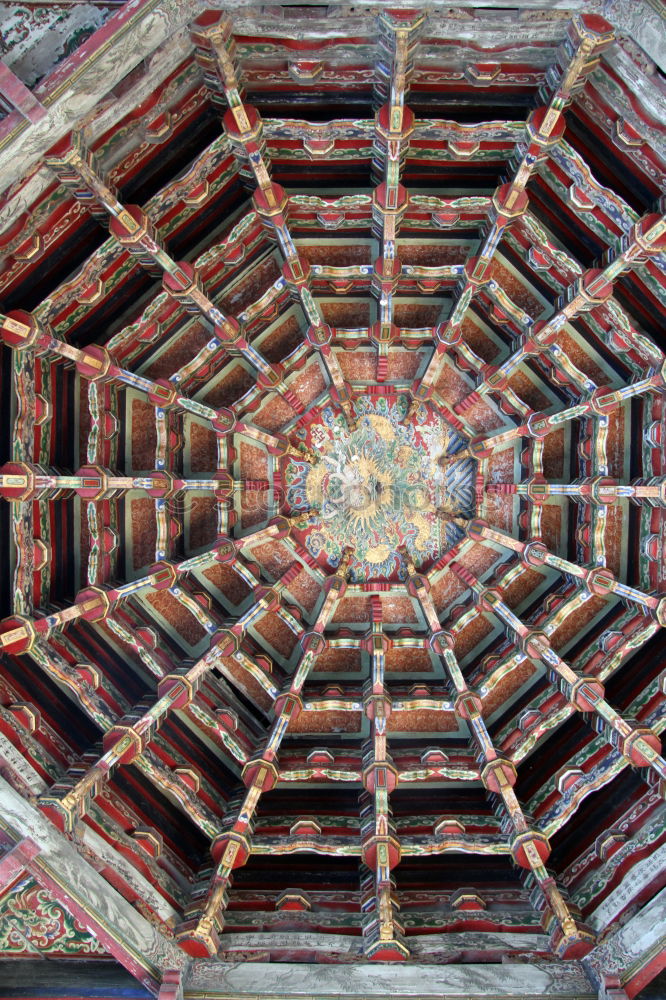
599 581
588 37
76 169
595 287
529 847
58 867
638 744
212 35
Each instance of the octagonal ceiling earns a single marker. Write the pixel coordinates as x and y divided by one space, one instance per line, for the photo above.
333 477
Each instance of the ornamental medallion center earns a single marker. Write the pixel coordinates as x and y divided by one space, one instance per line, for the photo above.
380 486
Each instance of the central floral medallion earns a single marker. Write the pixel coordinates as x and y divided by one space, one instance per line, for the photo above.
379 487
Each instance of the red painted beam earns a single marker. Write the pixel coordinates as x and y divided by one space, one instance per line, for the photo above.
14 862
16 94
649 972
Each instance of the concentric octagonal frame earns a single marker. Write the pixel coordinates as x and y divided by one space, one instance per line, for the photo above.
333 495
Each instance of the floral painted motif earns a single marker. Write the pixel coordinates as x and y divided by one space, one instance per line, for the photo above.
380 487
30 920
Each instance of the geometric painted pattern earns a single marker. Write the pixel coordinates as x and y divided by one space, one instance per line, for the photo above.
332 372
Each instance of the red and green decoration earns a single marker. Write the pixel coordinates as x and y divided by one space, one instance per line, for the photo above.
379 487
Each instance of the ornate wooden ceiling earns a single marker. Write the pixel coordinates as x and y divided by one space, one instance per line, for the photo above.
333 479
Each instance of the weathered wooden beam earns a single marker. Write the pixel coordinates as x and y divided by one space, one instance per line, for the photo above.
132 940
